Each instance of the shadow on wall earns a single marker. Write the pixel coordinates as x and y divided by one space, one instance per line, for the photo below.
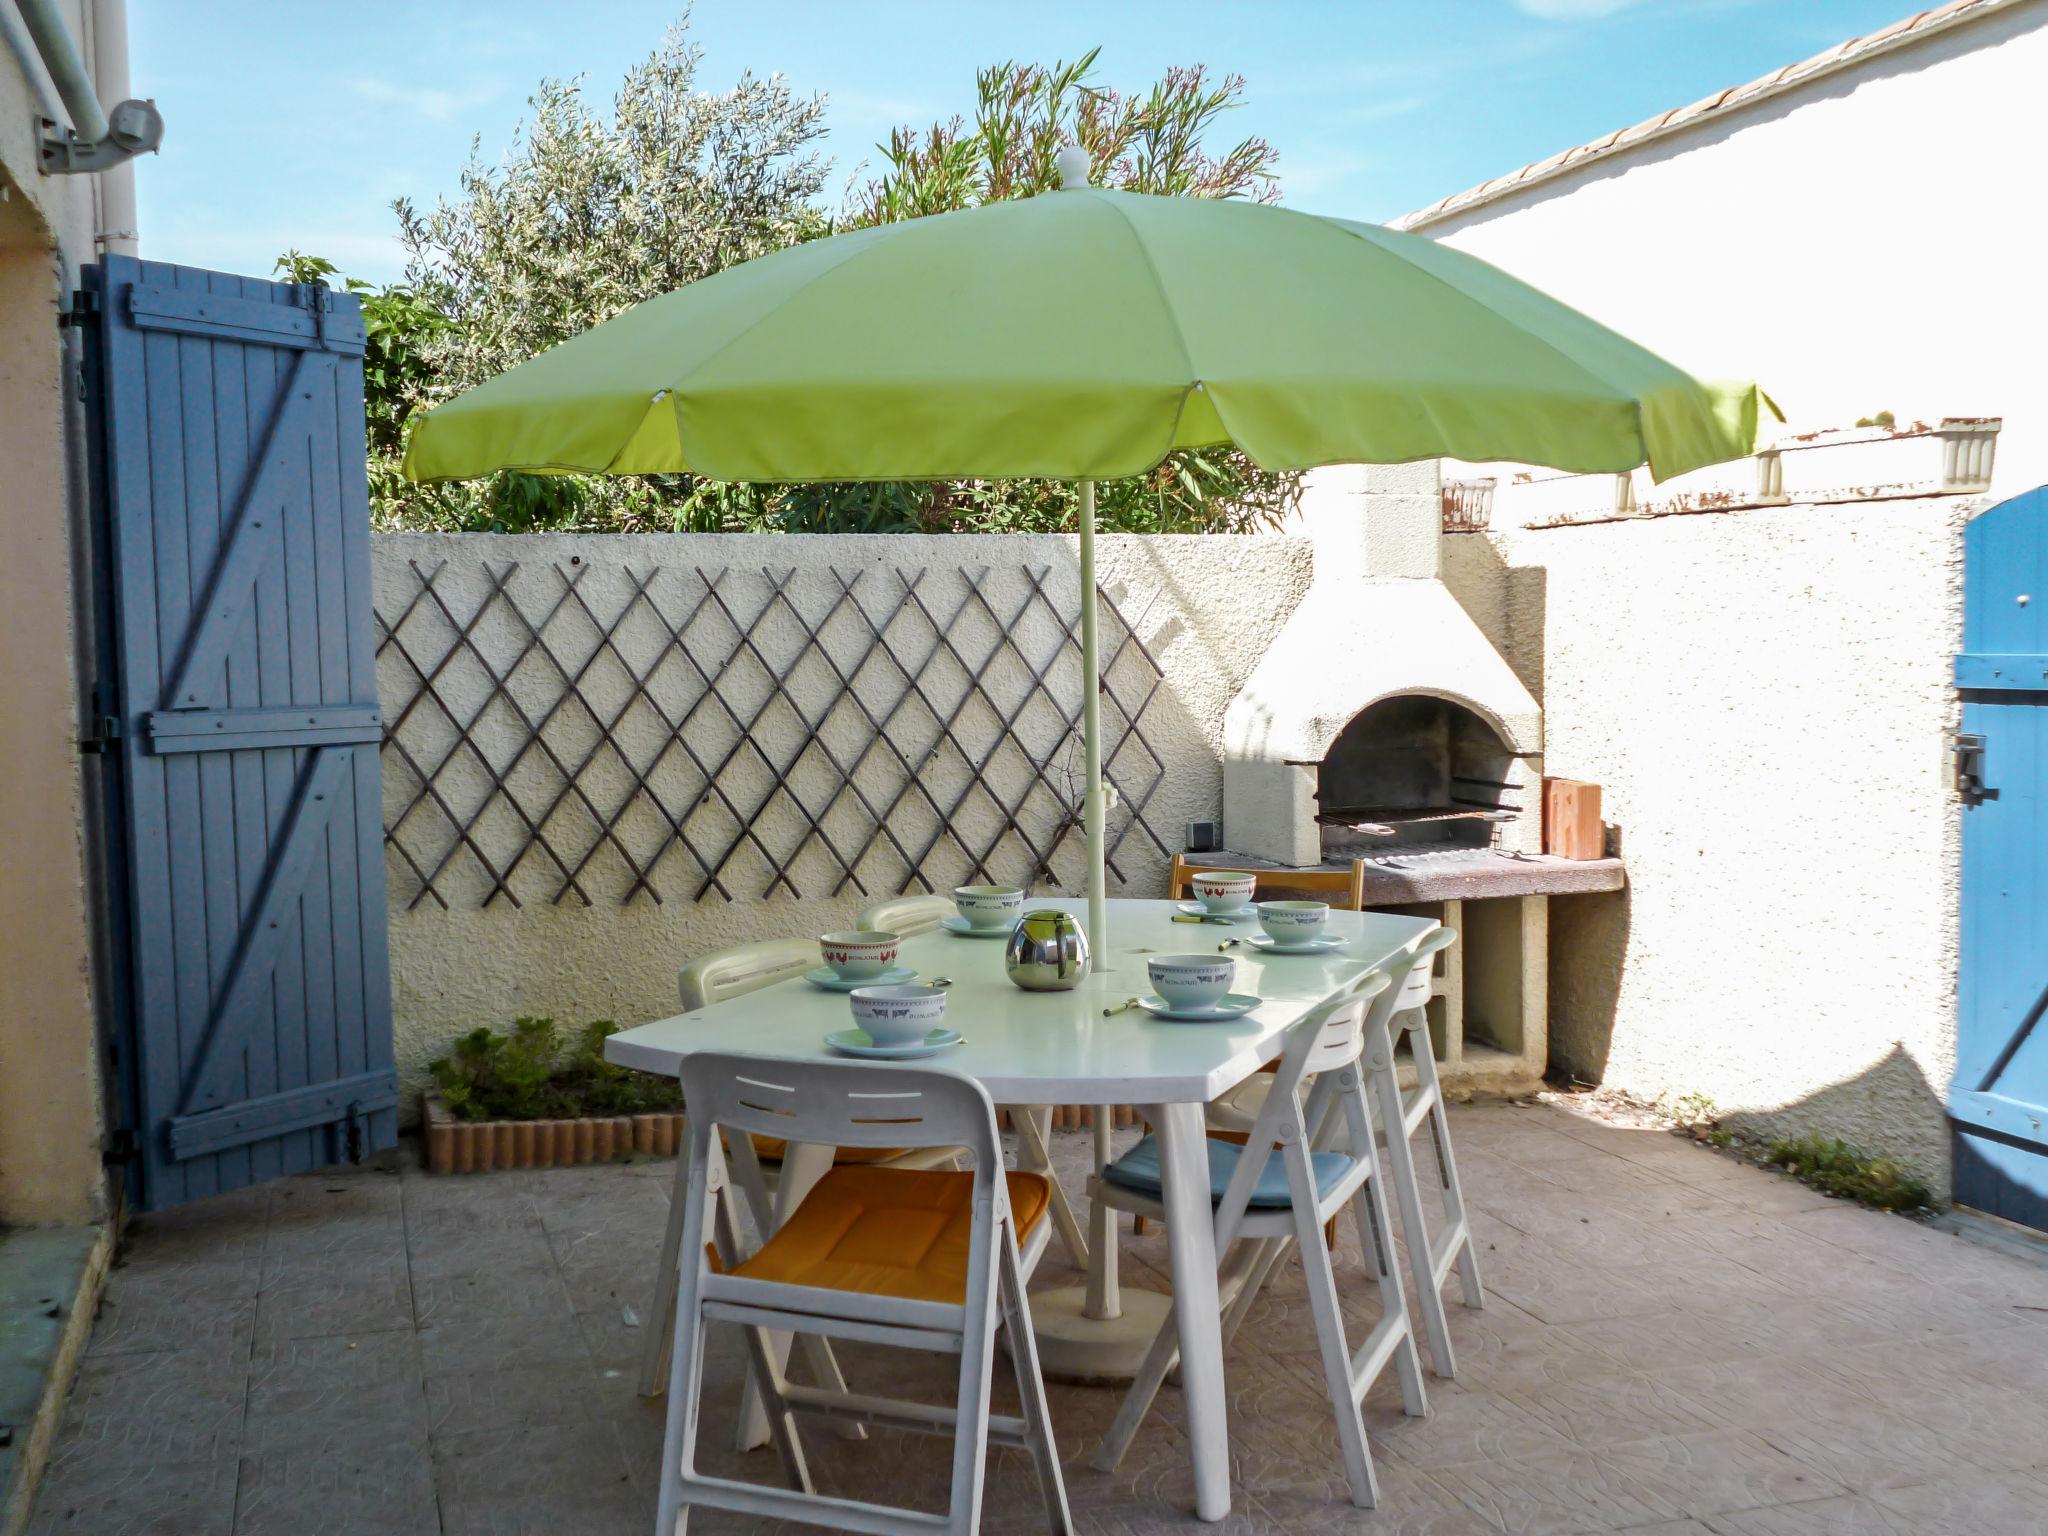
1585 995
1509 603
1890 1081
1584 998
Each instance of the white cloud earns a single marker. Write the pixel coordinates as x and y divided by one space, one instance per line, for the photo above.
438 106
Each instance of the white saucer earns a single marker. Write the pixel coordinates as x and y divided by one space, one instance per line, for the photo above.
1315 946
831 981
1231 1005
855 1042
1195 909
961 926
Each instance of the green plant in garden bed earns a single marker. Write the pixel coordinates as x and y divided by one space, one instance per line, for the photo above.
540 1072
1834 1167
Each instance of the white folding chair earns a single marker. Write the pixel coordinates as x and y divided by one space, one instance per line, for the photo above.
1399 1011
1265 1200
906 915
918 1259
913 915
707 979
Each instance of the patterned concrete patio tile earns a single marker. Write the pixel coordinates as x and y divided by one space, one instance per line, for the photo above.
356 1297
1686 1336
508 1317
142 1312
1864 1445
1639 1483
1947 1505
159 1407
2003 1355
335 1393
603 1306
1609 1409
439 1248
513 1397
1587 1231
1411 1503
375 1486
315 1255
220 1232
539 1482
1500 1347
1461 1426
118 1498
317 1202
1554 1289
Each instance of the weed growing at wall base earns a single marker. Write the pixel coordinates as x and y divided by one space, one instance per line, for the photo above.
1836 1168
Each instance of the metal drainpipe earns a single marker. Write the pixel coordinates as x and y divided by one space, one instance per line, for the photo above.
81 100
116 234
23 47
98 138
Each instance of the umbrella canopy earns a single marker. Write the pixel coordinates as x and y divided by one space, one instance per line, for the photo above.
1085 336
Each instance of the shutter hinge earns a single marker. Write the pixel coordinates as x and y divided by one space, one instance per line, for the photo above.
1969 768
106 731
118 1147
85 305
316 300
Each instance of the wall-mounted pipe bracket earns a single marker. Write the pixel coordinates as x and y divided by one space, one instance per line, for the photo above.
133 128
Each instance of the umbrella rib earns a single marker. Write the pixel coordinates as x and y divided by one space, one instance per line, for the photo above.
675 392
1630 397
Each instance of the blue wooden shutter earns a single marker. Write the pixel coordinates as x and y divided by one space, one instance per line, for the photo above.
1999 1100
237 530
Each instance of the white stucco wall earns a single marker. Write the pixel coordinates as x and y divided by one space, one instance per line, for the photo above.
1206 606
1870 240
1764 696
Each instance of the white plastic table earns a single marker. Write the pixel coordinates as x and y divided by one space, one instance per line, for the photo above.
1057 1048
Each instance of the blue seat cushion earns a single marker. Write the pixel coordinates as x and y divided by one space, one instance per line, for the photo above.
1139 1169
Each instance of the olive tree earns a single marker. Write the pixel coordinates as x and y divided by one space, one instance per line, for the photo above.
588 213
591 211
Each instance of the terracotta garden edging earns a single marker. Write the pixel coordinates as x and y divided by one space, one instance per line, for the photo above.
479 1146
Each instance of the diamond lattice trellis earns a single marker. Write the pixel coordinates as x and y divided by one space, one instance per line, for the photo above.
561 731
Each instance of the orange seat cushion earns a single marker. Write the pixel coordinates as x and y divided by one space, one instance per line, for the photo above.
771 1149
888 1232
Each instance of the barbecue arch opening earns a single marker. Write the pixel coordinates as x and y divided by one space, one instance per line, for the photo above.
1416 770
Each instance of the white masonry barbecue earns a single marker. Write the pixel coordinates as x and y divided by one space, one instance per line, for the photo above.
1382 724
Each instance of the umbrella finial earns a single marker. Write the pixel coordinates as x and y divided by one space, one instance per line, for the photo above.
1074 166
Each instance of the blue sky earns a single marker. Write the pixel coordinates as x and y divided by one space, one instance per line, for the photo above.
291 125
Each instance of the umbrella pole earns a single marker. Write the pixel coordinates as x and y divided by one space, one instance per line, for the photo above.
1092 804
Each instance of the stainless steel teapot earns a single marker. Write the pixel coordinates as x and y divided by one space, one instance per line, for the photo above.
1047 951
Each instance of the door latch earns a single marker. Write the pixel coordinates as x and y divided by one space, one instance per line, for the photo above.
1970 787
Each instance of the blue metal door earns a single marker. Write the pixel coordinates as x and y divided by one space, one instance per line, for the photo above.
239 690
1999 1100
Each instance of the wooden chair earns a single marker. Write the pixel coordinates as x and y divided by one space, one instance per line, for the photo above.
1344 889
907 915
1400 1011
950 1291
1305 1162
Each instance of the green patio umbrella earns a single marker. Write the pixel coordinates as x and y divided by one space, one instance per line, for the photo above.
1084 336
